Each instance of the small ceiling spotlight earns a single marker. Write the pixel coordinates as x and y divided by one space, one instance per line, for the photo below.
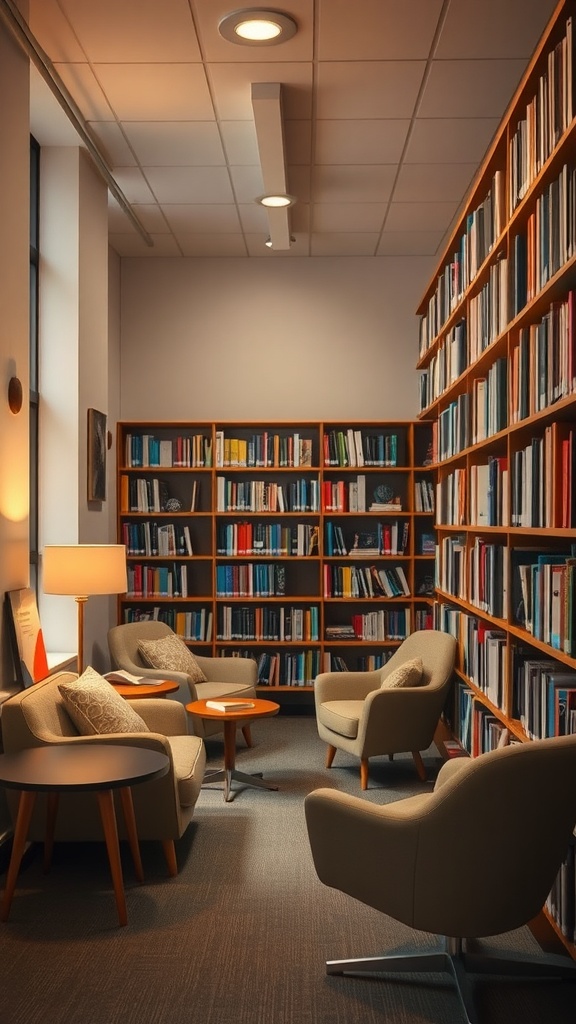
270 243
276 202
257 26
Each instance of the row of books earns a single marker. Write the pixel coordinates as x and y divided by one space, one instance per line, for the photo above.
386 538
264 449
359 448
490 402
365 581
194 624
543 362
381 624
488 586
188 452
153 538
451 431
150 494
541 482
157 580
277 539
544 695
561 903
267 579
548 114
544 595
301 495
332 662
473 724
482 229
488 313
288 668
484 657
344 495
268 622
424 498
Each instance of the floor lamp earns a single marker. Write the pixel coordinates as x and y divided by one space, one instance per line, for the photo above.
81 571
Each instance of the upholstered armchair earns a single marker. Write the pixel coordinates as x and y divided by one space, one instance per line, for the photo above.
476 857
225 677
163 807
359 713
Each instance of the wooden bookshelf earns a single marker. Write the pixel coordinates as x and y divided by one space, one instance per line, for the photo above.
498 384
271 546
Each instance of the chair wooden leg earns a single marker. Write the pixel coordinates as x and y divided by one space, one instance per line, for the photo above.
247 735
170 855
330 756
419 765
364 773
390 757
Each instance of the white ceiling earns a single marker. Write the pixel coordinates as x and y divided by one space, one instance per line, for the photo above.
389 106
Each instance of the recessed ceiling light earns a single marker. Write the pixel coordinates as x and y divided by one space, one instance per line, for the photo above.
276 202
257 26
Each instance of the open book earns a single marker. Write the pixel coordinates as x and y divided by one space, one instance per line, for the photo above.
229 705
120 675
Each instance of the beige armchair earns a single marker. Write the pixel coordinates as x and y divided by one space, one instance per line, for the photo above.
477 857
354 714
227 677
163 807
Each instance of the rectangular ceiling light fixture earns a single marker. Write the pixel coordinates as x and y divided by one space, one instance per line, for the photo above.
267 107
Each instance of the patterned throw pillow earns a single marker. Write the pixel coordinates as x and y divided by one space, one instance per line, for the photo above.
96 708
171 654
408 674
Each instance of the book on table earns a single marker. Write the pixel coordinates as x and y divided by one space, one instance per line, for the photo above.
229 705
120 675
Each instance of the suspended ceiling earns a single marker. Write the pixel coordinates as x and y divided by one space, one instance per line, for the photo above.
389 106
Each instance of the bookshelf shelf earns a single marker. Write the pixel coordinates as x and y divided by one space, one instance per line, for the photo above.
497 362
282 562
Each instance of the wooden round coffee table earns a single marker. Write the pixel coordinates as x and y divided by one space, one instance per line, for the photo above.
229 773
137 691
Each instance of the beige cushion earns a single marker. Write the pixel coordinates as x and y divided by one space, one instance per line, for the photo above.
407 674
96 708
171 654
342 716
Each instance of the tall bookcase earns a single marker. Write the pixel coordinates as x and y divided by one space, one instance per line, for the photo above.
498 382
308 546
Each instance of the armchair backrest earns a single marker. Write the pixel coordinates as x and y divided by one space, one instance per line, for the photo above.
123 641
37 715
437 650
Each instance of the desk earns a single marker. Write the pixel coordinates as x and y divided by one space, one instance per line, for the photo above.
60 768
261 709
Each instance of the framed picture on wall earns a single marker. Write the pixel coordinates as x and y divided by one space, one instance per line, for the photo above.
26 639
96 455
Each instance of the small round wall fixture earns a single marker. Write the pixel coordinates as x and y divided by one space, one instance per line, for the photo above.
276 202
14 395
257 26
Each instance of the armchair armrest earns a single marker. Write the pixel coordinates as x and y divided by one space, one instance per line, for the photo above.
167 717
229 670
400 719
149 740
345 685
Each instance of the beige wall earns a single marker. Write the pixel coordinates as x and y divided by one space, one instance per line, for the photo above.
290 338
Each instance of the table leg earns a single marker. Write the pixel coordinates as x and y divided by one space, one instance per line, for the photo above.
106 805
25 808
129 818
51 814
229 757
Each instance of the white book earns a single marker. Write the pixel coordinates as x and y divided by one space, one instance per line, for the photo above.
229 705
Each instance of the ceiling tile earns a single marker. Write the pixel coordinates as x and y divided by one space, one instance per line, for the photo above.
381 89
344 244
433 182
247 183
134 30
81 83
409 243
152 218
509 29
377 29
113 143
347 216
362 142
240 143
190 184
445 140
175 143
53 31
133 184
480 88
133 245
221 218
156 92
213 245
231 87
336 183
298 179
253 218
298 141
420 216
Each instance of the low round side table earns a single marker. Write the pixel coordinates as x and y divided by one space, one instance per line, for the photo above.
137 691
229 773
60 768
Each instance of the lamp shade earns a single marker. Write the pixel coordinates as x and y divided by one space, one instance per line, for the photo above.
84 569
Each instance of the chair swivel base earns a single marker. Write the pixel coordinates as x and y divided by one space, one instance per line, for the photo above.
228 775
454 961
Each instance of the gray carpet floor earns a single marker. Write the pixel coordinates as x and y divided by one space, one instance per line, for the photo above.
242 934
